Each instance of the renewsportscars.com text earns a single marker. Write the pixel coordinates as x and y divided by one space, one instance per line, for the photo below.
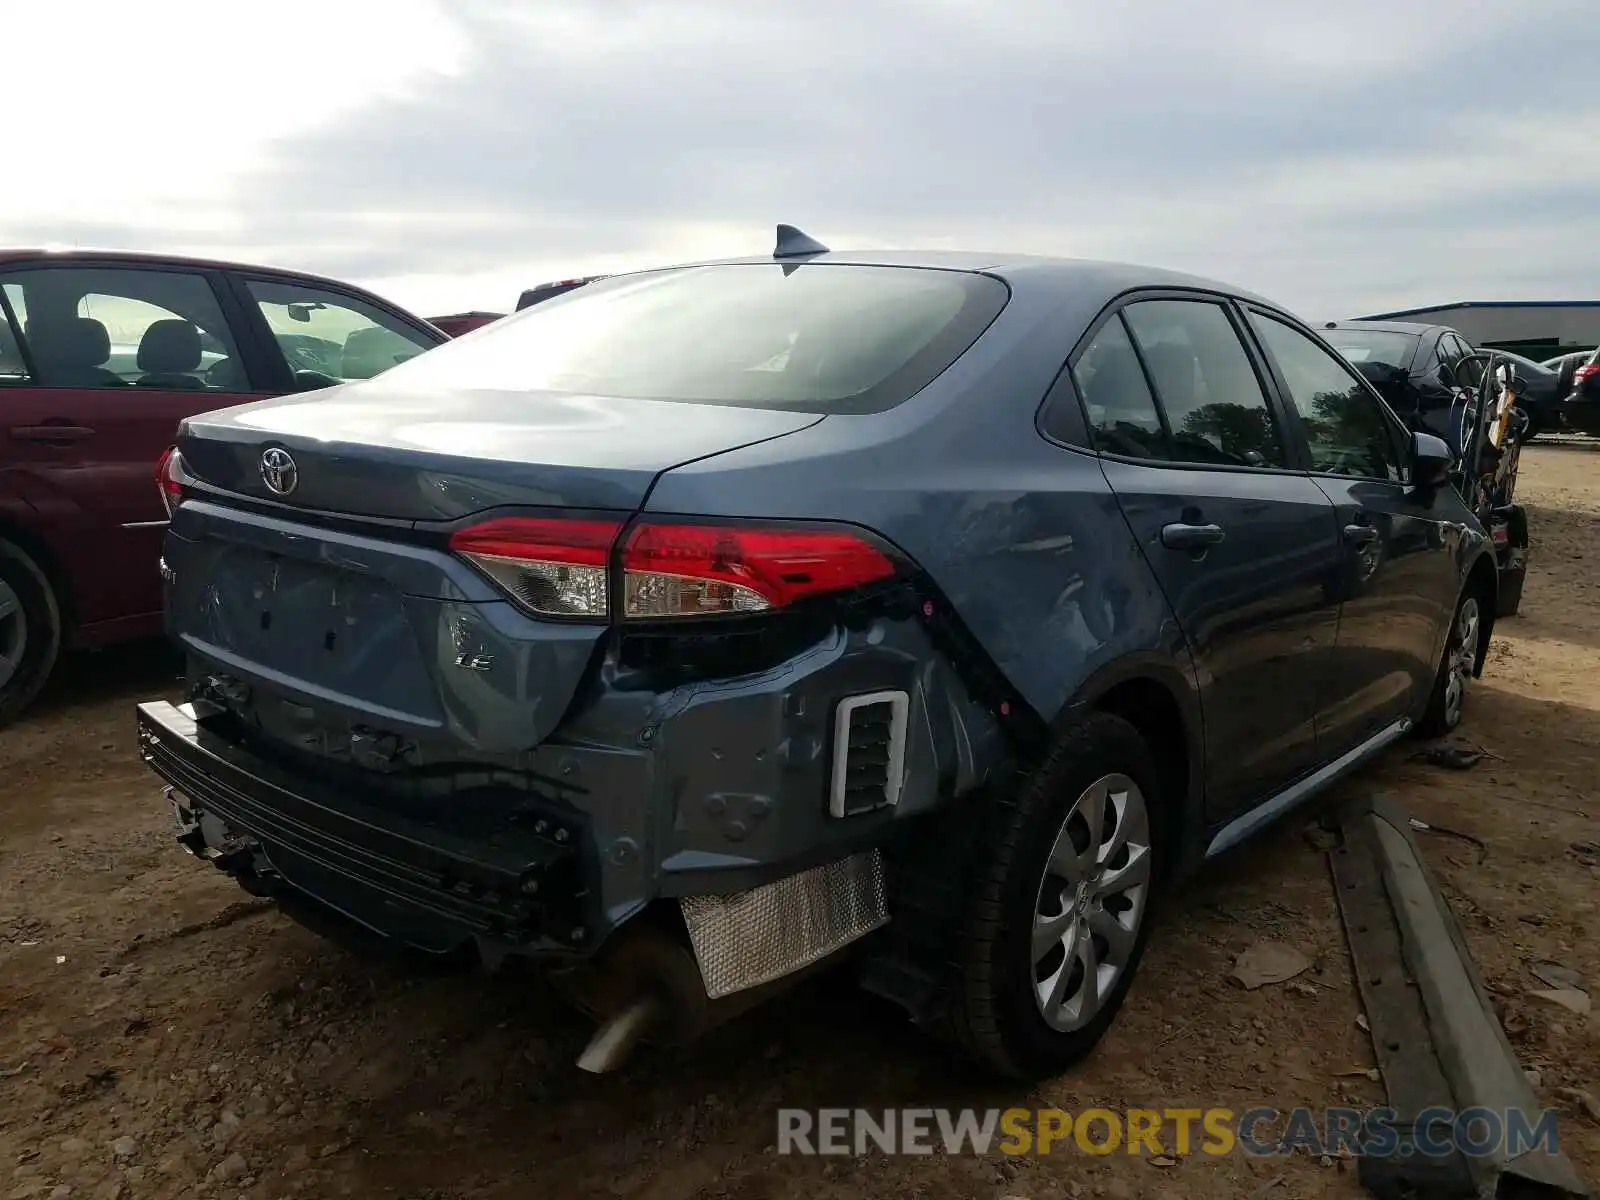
1148 1131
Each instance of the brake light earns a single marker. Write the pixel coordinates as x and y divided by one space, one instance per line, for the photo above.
674 570
560 568
1585 373
552 567
168 481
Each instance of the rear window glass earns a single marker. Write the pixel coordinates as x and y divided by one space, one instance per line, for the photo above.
1373 346
819 337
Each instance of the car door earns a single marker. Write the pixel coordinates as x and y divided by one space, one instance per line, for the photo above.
325 336
1400 579
116 354
1244 545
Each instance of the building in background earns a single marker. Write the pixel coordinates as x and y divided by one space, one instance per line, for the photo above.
1536 329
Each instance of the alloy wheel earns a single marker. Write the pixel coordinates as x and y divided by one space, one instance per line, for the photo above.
1091 902
1463 654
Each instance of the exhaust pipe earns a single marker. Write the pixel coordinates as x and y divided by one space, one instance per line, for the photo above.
646 987
614 1042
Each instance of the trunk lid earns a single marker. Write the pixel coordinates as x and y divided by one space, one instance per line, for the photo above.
376 450
350 638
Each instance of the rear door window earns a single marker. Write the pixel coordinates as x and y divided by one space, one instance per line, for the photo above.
1123 417
115 327
812 337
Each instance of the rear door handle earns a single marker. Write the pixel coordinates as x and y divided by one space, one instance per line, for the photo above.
51 433
1179 536
1360 535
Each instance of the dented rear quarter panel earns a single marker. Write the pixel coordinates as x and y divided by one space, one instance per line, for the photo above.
1024 538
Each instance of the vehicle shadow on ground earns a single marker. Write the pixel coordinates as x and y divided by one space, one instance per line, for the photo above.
1562 540
407 1071
1188 1031
1578 444
495 1057
133 672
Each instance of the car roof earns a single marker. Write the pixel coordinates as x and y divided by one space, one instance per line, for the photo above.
14 255
1046 272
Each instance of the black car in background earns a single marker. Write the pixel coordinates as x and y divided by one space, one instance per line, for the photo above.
1415 368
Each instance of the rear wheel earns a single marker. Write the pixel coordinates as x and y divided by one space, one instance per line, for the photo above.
30 630
1057 920
1448 700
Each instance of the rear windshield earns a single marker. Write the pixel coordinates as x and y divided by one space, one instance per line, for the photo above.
1373 346
818 337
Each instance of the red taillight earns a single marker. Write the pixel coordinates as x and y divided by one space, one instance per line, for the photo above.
167 480
559 568
1585 373
552 567
702 570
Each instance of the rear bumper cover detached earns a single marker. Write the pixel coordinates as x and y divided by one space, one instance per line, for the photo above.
717 795
358 873
397 878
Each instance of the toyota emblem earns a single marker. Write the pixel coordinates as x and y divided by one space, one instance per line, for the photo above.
278 472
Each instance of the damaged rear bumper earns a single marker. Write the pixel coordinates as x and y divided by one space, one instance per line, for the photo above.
746 803
359 873
394 877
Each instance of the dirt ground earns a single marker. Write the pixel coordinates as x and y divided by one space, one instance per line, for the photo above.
163 1036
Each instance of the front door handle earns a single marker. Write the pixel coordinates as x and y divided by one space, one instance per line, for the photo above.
1360 535
1180 536
51 433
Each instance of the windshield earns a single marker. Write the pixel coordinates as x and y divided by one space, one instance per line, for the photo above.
819 337
1374 346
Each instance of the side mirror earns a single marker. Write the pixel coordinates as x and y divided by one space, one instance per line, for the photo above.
1430 462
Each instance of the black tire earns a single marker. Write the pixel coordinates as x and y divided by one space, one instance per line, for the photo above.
30 630
1444 710
996 1017
1508 598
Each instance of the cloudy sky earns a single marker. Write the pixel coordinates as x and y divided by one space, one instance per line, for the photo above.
1342 156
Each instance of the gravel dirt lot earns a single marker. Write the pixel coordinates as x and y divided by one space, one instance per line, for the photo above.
162 1035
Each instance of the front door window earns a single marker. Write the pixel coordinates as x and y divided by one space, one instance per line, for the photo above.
328 338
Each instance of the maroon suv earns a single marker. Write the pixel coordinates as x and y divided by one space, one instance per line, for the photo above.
101 355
